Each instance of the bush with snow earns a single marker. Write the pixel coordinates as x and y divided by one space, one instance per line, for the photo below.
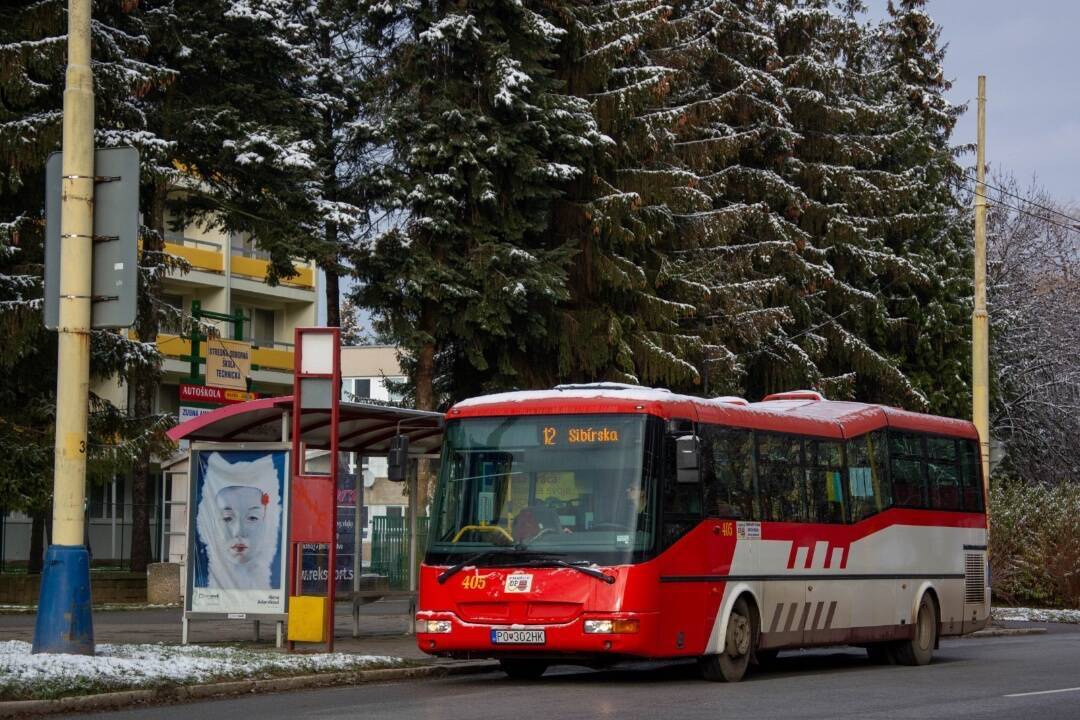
1035 544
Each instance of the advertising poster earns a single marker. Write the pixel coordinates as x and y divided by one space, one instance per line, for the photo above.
314 558
238 531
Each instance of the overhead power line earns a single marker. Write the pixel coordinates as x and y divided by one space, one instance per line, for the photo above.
1074 227
1047 208
1022 211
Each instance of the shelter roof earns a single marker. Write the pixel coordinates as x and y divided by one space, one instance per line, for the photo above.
365 428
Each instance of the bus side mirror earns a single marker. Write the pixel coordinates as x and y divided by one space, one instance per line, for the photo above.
397 459
686 459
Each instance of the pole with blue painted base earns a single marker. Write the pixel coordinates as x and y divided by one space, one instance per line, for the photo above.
64 621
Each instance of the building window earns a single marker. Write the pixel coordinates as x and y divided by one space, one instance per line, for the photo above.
262 327
362 388
100 500
259 325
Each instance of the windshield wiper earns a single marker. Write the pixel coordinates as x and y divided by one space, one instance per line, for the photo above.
454 569
473 559
558 562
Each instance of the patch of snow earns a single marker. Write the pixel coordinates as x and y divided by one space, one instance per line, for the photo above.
116 667
1008 614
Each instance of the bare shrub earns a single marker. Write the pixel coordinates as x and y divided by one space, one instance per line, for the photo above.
1035 544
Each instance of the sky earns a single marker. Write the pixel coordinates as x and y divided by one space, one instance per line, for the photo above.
1028 51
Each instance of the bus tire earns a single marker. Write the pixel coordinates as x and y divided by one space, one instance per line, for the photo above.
920 649
730 665
764 658
523 669
880 653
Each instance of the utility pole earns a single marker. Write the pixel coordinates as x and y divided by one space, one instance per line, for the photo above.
980 331
64 621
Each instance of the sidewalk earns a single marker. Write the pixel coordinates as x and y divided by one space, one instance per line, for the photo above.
383 627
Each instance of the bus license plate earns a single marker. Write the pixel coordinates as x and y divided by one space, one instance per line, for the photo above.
518 637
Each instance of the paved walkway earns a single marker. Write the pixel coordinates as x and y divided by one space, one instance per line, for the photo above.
383 627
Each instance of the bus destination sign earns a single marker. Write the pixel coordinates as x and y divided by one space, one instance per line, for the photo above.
591 436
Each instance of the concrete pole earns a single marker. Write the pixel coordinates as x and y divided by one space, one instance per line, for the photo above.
64 621
980 331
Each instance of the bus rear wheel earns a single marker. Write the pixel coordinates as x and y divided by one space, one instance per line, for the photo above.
523 669
920 649
730 665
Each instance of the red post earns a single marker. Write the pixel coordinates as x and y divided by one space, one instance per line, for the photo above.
314 497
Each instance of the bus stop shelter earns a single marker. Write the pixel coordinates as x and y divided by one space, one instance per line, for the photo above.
363 428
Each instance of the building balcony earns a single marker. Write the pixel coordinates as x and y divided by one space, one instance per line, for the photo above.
278 357
249 265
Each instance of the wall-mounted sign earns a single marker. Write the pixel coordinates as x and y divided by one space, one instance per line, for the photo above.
228 363
214 395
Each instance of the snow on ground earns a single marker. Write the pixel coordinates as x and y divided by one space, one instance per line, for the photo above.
1035 615
119 667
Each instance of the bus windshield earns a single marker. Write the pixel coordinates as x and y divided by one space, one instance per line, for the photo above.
574 486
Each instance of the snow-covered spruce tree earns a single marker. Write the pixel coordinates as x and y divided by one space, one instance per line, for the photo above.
629 215
481 138
730 137
238 119
929 227
346 184
352 332
32 55
843 162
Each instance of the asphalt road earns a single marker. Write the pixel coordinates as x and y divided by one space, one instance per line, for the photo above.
1034 676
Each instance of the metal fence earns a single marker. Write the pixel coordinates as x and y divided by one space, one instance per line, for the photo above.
390 548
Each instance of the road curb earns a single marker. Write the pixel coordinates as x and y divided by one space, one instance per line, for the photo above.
1007 632
187 693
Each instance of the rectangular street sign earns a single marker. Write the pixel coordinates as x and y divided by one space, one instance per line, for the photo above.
228 363
221 396
115 284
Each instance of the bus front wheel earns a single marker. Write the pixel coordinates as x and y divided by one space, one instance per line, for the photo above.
730 665
523 669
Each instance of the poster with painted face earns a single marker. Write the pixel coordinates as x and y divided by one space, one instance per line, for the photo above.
238 549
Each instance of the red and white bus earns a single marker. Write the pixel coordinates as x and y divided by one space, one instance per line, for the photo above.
596 523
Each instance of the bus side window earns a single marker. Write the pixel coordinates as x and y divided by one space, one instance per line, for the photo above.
780 477
681 501
943 474
969 476
907 467
728 473
824 481
867 486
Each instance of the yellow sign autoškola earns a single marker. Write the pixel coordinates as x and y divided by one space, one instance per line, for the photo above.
228 363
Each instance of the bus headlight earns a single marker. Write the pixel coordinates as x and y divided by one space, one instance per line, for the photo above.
433 626
608 627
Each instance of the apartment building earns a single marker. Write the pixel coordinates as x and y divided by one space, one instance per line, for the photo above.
227 276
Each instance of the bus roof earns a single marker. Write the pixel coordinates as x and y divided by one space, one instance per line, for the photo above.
803 412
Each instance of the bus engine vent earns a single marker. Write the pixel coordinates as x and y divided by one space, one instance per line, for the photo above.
974 578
